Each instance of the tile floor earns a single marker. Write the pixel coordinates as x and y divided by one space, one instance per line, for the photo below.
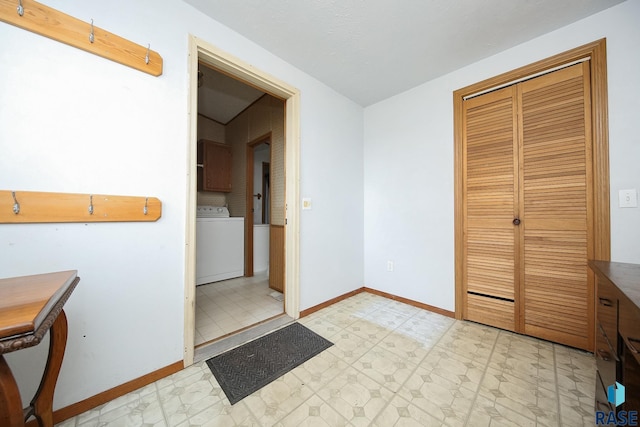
229 305
391 365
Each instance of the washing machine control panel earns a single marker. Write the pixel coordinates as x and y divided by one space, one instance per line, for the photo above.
212 212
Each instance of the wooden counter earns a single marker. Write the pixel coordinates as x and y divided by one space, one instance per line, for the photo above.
29 307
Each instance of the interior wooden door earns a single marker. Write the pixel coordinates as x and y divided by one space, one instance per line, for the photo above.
490 195
556 219
527 207
276 257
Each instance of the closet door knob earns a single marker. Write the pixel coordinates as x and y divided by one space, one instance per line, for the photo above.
516 221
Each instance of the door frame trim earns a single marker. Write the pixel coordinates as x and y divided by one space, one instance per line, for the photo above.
200 49
597 54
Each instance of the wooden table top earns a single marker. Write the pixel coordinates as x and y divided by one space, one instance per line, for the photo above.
625 276
26 301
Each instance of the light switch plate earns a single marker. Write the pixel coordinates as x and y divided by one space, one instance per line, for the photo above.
306 203
628 198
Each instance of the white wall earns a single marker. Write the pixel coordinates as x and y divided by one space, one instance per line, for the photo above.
331 174
409 205
74 122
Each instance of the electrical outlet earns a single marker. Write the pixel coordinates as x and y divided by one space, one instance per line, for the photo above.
389 265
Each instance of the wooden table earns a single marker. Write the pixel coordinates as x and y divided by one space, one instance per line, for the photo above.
29 307
617 333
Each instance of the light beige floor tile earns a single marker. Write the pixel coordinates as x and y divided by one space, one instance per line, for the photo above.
363 303
202 317
121 406
521 397
487 413
340 317
135 412
470 340
232 305
275 400
369 330
186 396
221 414
355 396
198 338
320 326
576 413
402 308
455 368
530 365
426 327
348 346
313 412
439 396
208 329
390 318
391 365
400 413
405 346
384 367
576 374
319 370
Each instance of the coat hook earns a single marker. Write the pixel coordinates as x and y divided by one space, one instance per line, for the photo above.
16 205
146 207
90 204
91 36
146 58
20 8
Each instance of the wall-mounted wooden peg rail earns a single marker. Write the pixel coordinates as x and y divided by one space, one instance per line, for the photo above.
38 207
46 21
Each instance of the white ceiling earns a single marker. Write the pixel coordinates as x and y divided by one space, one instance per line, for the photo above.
369 50
221 97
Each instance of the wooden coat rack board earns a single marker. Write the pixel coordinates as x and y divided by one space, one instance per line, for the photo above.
40 19
37 207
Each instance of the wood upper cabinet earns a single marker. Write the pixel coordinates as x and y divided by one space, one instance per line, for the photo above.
527 206
214 166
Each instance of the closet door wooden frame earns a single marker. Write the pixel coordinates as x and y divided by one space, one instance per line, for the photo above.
599 194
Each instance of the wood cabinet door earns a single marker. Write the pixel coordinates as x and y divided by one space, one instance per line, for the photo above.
490 193
216 161
556 202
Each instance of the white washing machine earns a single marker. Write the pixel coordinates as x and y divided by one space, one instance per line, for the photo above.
219 245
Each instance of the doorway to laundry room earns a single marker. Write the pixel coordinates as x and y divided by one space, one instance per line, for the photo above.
240 214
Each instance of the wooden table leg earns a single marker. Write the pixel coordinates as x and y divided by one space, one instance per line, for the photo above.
42 402
10 402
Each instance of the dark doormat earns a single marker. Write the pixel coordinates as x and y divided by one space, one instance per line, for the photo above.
248 368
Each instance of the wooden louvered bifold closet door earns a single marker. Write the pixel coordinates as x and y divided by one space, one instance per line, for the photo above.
556 206
527 207
490 205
